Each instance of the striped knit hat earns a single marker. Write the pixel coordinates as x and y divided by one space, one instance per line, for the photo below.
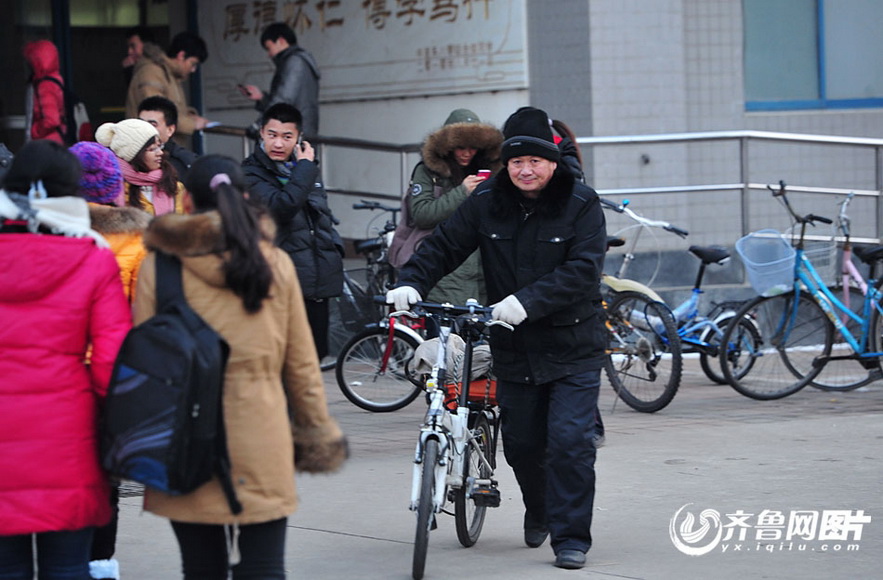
102 179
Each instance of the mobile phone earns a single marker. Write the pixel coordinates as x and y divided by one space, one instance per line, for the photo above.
242 89
300 142
484 173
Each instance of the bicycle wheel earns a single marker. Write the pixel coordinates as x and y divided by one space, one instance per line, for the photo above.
846 374
746 337
710 363
424 508
793 334
468 515
348 314
643 365
374 374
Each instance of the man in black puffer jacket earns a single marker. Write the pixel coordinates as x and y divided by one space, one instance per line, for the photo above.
542 239
283 174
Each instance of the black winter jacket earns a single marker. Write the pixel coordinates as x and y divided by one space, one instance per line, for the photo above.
304 221
551 259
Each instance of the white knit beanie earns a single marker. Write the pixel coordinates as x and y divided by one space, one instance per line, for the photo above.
127 137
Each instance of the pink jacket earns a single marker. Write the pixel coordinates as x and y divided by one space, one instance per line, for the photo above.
58 295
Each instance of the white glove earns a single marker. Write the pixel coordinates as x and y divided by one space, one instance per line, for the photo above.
402 297
509 310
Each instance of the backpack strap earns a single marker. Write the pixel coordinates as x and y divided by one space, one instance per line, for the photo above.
169 286
170 289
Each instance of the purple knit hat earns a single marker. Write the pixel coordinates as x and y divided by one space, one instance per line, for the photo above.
102 180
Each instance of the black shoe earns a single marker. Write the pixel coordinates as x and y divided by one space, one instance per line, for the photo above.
570 559
535 532
534 537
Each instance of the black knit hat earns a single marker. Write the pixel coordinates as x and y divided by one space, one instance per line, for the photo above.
527 132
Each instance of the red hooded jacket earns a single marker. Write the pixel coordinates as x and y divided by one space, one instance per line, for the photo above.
48 114
58 295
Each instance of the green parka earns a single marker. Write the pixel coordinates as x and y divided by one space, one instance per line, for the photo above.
436 190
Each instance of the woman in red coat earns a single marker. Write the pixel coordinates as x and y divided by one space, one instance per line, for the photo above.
60 294
46 114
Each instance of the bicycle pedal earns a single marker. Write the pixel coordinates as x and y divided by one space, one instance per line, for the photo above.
486 497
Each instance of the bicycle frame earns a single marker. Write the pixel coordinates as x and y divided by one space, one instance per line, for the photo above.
807 279
449 427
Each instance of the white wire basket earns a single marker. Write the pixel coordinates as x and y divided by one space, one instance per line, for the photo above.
769 261
768 257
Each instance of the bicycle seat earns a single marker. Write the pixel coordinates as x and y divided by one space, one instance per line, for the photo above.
368 246
614 241
868 254
710 254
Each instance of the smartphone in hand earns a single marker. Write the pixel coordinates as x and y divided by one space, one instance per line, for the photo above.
244 90
300 142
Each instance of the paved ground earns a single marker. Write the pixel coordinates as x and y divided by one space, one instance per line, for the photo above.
813 452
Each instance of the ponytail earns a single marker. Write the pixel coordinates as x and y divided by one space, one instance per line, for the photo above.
246 270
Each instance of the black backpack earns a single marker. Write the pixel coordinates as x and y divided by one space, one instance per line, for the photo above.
76 117
163 423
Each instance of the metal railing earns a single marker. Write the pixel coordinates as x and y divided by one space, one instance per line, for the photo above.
744 185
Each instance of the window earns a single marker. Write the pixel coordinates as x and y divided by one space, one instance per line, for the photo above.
812 54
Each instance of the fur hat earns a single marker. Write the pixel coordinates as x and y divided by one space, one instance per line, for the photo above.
102 179
528 132
127 137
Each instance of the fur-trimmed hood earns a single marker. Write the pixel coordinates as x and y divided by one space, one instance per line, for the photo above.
195 234
108 219
439 146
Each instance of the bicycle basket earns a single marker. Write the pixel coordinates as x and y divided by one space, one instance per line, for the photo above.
769 261
822 254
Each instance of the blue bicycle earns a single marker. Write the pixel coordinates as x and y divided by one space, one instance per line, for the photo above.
800 325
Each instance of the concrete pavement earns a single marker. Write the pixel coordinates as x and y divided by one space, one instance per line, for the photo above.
764 469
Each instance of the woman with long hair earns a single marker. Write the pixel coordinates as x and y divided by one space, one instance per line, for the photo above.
151 182
60 299
246 289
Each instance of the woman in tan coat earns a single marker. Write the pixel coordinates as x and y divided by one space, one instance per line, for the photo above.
247 290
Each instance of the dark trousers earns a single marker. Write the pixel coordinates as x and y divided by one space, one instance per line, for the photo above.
105 540
60 555
547 439
317 314
204 551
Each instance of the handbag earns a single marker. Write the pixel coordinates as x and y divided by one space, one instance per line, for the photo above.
407 236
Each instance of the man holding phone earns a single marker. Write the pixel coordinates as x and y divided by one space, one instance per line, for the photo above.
296 80
283 175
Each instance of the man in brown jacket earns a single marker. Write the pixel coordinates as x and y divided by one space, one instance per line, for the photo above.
158 73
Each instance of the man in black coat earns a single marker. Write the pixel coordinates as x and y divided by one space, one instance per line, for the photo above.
542 239
283 175
163 114
296 80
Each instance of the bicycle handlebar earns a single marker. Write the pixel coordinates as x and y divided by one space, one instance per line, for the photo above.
808 218
842 218
642 220
434 308
372 205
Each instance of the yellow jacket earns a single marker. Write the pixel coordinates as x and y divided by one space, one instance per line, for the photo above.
123 228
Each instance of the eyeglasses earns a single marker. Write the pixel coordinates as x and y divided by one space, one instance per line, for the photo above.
155 148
